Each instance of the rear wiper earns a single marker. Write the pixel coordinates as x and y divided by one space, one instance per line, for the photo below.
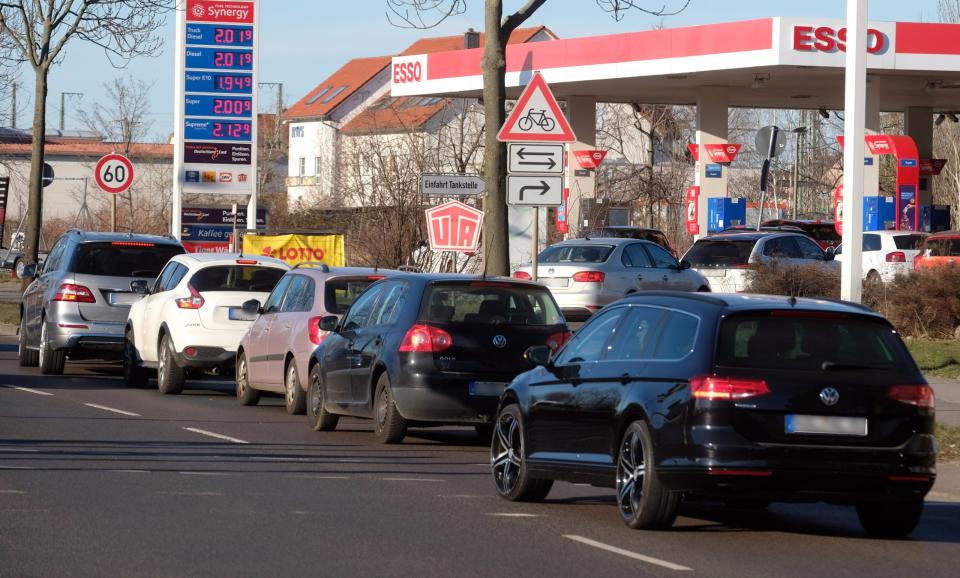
834 366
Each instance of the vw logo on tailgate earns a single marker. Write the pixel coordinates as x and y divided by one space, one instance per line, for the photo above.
499 341
829 396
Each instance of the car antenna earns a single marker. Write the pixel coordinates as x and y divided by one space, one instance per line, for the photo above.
792 300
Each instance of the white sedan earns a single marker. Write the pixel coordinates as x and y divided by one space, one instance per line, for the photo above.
887 254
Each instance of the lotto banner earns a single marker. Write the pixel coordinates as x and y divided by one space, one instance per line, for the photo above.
296 249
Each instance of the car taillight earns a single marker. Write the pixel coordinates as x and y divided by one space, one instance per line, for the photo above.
589 277
897 257
522 275
194 301
246 262
917 395
916 263
316 335
425 339
558 340
74 294
711 387
131 244
376 277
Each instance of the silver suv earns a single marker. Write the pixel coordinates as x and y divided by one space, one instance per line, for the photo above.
77 305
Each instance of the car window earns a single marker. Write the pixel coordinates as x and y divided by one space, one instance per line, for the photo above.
810 250
178 274
276 296
943 247
908 242
123 258
490 303
590 343
781 248
394 299
559 254
677 338
293 300
720 253
161 285
55 257
360 312
871 242
635 256
661 259
235 278
340 293
635 335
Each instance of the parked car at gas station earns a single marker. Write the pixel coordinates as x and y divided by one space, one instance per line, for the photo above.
823 232
938 250
887 254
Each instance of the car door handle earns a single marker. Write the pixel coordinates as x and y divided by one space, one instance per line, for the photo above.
666 278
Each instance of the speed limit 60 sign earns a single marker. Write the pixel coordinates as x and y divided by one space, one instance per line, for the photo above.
114 174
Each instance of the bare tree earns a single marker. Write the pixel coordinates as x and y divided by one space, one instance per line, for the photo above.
40 31
498 28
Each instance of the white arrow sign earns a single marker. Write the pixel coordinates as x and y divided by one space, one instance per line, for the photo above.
534 191
535 158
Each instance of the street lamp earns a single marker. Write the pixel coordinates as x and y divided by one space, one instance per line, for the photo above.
799 131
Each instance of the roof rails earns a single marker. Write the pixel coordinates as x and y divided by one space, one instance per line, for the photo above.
324 268
409 269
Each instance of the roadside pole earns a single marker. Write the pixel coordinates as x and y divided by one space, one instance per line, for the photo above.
535 251
855 104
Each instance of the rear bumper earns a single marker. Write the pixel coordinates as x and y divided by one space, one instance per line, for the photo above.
206 357
581 305
79 336
445 398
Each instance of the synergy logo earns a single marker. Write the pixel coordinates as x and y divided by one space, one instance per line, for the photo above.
217 11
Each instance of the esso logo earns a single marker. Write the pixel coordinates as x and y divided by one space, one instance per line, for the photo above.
731 150
404 72
826 39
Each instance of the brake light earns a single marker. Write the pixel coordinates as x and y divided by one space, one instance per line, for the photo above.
808 314
712 387
376 277
246 262
589 277
131 244
194 301
74 294
425 339
897 257
558 340
917 395
313 329
522 275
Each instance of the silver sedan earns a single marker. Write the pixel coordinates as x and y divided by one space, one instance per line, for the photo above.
584 275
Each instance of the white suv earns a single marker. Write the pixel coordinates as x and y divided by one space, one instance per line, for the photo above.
193 317
887 254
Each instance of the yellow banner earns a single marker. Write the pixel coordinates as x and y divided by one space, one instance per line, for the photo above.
296 249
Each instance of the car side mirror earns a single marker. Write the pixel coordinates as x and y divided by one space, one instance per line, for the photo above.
140 287
252 307
538 355
684 265
829 255
329 323
29 271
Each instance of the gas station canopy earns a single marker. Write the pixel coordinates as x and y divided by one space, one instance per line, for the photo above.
792 63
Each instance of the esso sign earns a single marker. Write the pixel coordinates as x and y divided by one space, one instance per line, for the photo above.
409 71
827 39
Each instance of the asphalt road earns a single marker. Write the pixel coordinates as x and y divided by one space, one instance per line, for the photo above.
97 480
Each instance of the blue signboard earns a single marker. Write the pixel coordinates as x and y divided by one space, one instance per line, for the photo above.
217 130
219 35
219 106
714 171
219 83
908 162
907 192
219 59
868 161
207 233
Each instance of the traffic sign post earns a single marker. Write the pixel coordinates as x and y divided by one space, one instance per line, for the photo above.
534 190
454 226
529 158
114 175
536 117
439 185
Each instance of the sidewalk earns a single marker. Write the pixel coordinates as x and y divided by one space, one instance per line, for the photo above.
947 392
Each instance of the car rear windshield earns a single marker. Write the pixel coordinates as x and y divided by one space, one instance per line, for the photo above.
236 278
485 303
771 341
942 248
720 252
908 242
123 259
822 232
559 254
339 294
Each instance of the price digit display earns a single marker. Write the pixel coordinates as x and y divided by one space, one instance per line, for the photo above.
219 35
231 130
212 58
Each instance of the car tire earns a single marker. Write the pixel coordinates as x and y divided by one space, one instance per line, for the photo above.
27 357
704 289
134 375
51 360
320 419
873 278
642 500
890 519
294 395
388 424
246 394
508 462
170 376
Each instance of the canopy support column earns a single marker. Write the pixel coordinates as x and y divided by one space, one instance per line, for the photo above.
712 128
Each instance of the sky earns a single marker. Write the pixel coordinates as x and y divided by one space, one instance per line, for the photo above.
303 41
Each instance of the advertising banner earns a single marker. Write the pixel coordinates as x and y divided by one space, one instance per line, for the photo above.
296 249
4 192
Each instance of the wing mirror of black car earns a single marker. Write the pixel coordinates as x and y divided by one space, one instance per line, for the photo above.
252 307
684 265
830 254
329 323
29 271
140 287
539 355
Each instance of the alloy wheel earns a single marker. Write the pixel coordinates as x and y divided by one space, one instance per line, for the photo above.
43 341
316 394
290 383
162 370
242 375
384 401
505 452
631 469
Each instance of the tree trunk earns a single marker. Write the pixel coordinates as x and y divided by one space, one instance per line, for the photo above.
35 204
496 237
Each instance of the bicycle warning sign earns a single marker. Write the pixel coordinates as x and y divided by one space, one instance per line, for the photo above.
537 117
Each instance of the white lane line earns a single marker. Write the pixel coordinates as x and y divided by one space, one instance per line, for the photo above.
194 494
309 477
130 471
513 515
112 410
12 492
428 480
216 435
28 390
628 553
206 474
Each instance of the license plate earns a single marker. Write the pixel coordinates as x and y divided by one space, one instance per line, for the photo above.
561 282
118 298
237 314
487 388
827 425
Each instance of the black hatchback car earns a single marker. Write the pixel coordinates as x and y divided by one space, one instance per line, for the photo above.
421 349
745 398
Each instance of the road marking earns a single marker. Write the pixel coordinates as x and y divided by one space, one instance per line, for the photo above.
130 471
28 390
12 492
428 480
309 477
112 410
206 474
628 553
200 494
513 515
216 435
